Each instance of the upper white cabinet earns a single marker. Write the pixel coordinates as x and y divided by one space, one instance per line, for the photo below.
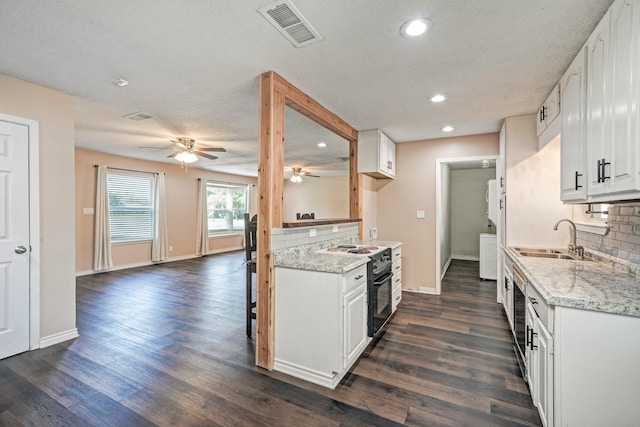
613 108
376 154
549 110
573 96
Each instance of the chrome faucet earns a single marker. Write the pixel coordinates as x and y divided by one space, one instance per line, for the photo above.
573 248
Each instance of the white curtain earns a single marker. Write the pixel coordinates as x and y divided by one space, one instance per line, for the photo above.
202 226
160 245
102 247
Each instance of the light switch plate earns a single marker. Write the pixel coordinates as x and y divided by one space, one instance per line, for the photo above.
87 211
420 214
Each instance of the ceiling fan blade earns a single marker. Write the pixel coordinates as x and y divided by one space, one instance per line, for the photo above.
207 156
168 147
308 174
218 149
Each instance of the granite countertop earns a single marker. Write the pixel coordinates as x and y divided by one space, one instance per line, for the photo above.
325 262
588 285
308 257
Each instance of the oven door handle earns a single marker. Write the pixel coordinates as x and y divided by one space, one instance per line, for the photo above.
383 279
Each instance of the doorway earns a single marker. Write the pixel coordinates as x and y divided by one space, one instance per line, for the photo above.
19 246
445 214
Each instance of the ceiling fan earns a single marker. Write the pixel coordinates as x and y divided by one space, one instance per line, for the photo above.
187 152
298 174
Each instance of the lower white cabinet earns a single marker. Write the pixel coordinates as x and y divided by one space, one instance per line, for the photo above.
507 291
320 323
488 257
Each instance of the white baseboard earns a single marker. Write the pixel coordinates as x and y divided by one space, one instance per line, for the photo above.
147 263
307 374
446 267
421 290
58 338
466 257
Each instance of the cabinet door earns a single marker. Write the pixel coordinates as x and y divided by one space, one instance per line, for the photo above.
391 157
624 96
530 354
383 152
355 324
597 112
574 91
544 373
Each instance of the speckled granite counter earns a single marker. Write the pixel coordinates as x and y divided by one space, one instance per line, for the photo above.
388 244
586 285
328 263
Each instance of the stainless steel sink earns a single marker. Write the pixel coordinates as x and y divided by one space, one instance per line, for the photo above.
547 253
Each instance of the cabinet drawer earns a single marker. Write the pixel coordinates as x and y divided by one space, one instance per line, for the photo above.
354 278
396 280
396 297
396 254
543 311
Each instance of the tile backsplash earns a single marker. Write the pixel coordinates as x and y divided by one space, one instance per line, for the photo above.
623 239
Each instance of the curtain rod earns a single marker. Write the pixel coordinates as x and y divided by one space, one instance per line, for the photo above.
129 170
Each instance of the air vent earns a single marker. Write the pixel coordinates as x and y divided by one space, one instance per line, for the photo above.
138 116
289 21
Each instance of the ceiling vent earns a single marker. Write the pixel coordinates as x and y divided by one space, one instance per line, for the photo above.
289 21
137 116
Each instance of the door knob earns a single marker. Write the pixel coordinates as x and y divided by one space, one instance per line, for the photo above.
20 249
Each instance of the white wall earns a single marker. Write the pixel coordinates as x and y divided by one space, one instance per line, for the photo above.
468 211
327 197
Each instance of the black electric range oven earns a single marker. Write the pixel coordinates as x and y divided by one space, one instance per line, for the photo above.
379 284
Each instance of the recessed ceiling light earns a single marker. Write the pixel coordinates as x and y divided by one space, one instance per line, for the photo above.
438 98
322 144
415 27
121 82
447 129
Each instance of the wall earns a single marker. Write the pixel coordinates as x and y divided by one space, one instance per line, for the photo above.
54 112
533 188
181 191
444 204
327 197
369 189
469 211
414 189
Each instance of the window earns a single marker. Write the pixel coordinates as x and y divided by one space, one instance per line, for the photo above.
130 206
226 206
598 210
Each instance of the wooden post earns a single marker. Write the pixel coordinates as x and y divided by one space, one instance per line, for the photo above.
275 93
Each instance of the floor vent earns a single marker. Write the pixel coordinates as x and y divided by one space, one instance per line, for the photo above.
289 21
138 116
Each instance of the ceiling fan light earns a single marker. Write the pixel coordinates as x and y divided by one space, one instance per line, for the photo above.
186 157
296 179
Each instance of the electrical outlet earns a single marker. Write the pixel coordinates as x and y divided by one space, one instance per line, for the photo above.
170 248
87 211
373 233
313 232
335 228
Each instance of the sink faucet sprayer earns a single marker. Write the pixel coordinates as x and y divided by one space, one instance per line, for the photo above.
573 248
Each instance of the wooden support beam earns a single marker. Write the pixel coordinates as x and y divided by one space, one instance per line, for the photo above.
275 93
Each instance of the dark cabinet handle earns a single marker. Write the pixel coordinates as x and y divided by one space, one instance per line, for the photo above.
599 171
530 336
577 176
501 206
501 182
359 276
543 113
533 300
506 283
604 164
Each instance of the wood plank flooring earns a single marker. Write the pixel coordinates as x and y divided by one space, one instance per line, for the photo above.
166 345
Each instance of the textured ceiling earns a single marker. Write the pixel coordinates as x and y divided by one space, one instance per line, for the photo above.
193 65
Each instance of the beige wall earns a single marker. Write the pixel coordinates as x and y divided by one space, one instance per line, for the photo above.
414 189
469 211
327 197
533 188
54 112
181 190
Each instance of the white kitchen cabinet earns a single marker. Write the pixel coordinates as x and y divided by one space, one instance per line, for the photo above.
376 154
320 323
549 110
573 146
613 116
543 347
507 291
396 268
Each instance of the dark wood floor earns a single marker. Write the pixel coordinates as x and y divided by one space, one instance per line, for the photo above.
166 345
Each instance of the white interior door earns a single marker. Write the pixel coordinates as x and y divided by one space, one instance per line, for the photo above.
14 238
